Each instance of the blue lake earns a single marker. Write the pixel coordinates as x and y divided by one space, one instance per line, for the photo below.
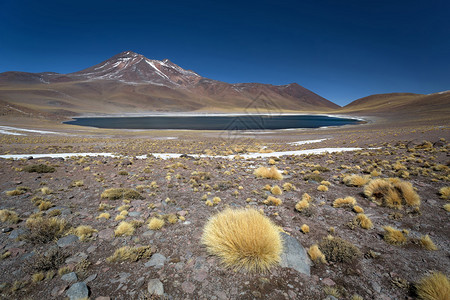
215 122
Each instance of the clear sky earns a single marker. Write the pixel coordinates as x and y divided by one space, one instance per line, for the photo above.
339 49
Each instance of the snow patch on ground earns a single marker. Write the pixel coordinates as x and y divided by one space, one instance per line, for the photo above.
306 142
7 130
177 155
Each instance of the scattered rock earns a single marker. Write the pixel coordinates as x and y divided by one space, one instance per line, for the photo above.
16 233
103 298
70 277
7 229
67 240
134 214
188 287
90 278
157 260
328 281
78 291
155 287
106 234
294 255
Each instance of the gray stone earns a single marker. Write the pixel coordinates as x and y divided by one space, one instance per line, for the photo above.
70 277
67 240
188 287
294 255
90 278
106 234
134 214
78 291
16 233
155 287
156 261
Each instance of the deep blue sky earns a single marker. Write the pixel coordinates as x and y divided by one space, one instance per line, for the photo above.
342 50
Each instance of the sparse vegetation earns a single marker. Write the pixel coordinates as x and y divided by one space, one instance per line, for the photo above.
394 236
272 173
124 228
121 193
132 254
347 201
39 168
243 239
336 249
84 232
435 286
445 192
43 230
392 193
272 201
426 242
355 180
155 223
8 216
316 255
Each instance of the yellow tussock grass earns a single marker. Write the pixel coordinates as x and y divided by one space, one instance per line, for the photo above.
447 207
155 223
363 221
347 201
426 242
358 209
123 207
322 188
272 201
325 182
120 217
119 193
288 187
355 180
316 255
128 253
84 232
8 216
272 173
124 228
216 200
243 239
272 161
276 190
304 228
445 192
104 216
392 193
301 205
307 197
172 218
46 191
37 277
44 205
435 286
208 203
393 236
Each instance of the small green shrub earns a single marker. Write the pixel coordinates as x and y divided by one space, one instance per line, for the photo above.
39 168
338 250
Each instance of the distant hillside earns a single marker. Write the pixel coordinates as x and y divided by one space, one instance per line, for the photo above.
402 104
131 83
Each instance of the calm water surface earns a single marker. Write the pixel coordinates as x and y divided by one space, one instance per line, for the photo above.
244 122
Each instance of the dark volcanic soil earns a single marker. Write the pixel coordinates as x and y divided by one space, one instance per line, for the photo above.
181 185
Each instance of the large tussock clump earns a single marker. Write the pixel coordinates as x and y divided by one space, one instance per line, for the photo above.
243 239
271 173
392 192
435 286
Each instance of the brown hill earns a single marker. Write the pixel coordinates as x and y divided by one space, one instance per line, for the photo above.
131 83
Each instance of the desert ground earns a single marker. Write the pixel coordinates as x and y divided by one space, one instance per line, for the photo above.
60 229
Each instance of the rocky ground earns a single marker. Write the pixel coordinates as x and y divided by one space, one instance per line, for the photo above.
177 189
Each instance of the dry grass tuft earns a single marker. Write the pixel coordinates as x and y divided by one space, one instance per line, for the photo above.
50 260
347 201
363 221
355 180
358 209
243 239
104 216
155 223
46 191
120 193
273 201
216 200
393 236
426 242
84 232
392 193
447 207
322 188
276 190
301 205
8 216
435 286
338 250
39 168
316 255
43 230
445 193
36 277
124 228
44 205
304 228
132 254
272 173
288 187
